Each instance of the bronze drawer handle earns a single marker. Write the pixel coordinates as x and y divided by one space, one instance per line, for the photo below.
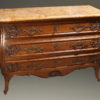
79 45
78 61
79 28
32 30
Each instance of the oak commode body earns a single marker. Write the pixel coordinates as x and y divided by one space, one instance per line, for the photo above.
49 41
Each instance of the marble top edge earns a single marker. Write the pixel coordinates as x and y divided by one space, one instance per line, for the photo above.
51 12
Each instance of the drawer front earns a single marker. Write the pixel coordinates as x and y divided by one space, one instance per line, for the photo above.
52 62
21 30
50 47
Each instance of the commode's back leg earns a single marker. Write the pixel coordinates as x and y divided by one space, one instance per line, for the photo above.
96 69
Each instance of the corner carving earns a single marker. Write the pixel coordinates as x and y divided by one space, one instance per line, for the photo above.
95 43
12 67
11 50
11 30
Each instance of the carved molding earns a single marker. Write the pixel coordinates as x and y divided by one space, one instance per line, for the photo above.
11 30
11 50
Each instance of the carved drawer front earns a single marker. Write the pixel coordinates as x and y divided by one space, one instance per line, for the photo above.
39 48
27 30
78 27
51 62
31 29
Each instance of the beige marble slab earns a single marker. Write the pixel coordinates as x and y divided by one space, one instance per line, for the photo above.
41 13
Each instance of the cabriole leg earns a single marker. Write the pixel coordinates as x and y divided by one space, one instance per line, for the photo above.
6 85
96 68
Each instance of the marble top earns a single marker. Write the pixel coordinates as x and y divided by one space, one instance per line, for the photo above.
41 13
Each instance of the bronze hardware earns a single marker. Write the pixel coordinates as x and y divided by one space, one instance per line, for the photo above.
79 45
56 62
34 49
79 28
77 61
32 30
56 27
56 46
34 66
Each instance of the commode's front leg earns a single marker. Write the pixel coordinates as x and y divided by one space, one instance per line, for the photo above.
96 69
6 85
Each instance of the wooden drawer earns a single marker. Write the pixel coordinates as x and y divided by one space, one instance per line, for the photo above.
22 30
52 62
50 47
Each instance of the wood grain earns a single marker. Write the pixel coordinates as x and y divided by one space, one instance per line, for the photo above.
49 44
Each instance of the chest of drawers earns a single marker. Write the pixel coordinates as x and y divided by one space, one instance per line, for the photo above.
49 41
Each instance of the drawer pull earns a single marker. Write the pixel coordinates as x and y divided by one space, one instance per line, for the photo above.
32 30
55 73
79 45
34 49
34 66
79 28
77 61
56 46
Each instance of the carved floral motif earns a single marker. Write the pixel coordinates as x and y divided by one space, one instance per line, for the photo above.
11 50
